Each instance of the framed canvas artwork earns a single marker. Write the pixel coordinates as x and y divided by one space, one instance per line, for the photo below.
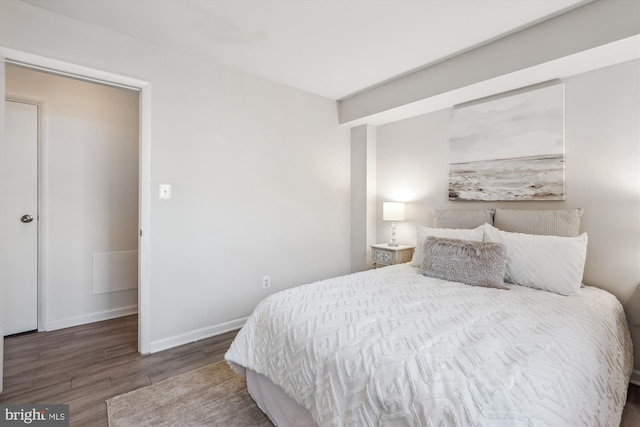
509 148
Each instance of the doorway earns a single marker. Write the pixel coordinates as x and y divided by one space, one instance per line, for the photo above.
144 88
88 189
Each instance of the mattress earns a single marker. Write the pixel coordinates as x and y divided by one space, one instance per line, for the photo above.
392 347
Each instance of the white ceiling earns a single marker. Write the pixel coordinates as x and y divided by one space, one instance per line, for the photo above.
333 48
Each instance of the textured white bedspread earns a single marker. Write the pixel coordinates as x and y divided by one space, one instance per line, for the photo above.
392 347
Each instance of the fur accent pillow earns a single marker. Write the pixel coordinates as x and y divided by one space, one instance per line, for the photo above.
469 262
448 233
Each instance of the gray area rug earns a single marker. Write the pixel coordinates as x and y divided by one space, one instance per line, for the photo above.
209 396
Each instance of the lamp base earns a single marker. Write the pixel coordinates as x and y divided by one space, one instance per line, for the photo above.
393 242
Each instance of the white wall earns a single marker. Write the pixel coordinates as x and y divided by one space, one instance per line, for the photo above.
260 174
602 176
89 154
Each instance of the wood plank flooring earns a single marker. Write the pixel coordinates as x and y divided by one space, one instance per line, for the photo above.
85 365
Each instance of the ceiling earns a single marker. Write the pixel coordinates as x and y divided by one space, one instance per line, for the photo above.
333 48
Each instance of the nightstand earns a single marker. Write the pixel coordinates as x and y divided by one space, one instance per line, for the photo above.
383 254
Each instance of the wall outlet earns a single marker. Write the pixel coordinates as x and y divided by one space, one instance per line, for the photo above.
266 282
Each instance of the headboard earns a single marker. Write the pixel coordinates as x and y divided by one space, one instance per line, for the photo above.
548 222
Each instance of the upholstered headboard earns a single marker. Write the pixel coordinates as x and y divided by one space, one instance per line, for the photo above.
549 222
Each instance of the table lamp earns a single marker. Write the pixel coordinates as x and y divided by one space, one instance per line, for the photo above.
393 211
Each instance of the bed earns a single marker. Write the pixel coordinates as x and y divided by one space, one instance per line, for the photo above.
403 346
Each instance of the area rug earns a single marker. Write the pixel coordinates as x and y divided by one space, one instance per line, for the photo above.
209 396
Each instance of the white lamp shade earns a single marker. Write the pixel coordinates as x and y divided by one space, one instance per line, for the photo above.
393 211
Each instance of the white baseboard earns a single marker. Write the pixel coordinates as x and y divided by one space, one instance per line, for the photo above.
90 318
196 335
635 377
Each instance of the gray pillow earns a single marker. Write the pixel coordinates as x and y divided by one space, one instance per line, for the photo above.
547 222
465 261
470 218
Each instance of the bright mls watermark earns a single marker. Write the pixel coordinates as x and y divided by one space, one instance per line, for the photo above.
34 415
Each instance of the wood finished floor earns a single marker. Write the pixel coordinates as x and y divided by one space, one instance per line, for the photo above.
85 365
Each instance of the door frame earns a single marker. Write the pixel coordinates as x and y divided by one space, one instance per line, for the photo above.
144 169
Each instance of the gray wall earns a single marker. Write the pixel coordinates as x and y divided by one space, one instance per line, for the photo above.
363 196
602 176
260 175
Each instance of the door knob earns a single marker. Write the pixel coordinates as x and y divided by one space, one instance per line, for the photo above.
26 218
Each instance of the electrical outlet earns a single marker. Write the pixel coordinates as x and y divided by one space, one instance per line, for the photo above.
266 282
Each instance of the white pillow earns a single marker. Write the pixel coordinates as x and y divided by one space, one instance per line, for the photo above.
475 234
550 263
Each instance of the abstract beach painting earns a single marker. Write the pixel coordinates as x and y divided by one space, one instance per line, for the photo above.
509 148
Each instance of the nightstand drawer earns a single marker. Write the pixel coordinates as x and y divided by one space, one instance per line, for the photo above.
384 254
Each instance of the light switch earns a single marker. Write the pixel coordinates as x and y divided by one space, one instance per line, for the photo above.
165 191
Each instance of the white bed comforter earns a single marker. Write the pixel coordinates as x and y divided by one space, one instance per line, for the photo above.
392 347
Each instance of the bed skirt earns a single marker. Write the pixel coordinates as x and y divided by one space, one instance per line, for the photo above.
281 409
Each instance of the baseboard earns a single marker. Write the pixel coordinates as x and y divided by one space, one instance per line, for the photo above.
196 335
635 377
90 318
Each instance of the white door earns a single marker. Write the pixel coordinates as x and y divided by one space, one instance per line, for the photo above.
20 218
